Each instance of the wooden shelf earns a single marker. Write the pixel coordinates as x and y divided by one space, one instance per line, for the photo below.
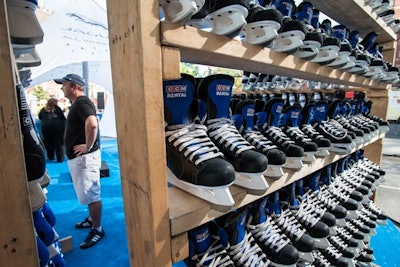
187 212
356 16
207 48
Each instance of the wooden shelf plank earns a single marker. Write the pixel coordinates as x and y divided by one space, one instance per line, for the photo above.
202 47
355 15
187 212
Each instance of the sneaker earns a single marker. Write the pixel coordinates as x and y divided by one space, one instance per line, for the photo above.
84 224
93 237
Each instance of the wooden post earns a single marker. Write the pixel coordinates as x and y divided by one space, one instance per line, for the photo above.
17 239
136 61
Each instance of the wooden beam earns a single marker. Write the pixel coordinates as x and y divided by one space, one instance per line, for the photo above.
17 238
136 61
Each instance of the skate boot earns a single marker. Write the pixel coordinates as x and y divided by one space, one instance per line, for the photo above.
290 121
307 114
24 26
239 242
245 116
305 214
205 248
195 164
215 92
313 39
341 32
328 52
289 225
292 32
267 121
262 25
228 17
335 257
180 11
268 236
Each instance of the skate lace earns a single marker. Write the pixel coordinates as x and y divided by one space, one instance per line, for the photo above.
290 225
338 242
320 259
305 215
295 132
332 129
315 203
193 140
310 131
326 200
215 256
269 234
344 234
333 252
279 136
258 140
351 228
225 133
248 253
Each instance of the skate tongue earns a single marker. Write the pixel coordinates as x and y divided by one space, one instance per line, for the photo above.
200 240
258 212
216 91
321 109
235 227
274 106
246 109
314 182
178 96
274 205
307 113
293 115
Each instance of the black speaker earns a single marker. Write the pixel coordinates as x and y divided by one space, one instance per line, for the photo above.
100 100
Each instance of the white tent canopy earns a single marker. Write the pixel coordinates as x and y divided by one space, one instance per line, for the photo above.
76 33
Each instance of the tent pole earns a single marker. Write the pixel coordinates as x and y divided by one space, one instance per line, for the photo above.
85 74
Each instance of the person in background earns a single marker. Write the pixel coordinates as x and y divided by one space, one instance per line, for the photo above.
52 126
84 159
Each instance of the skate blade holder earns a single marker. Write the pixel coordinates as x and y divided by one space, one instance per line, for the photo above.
200 24
332 230
308 157
321 242
351 214
306 256
219 197
383 129
26 56
23 23
322 152
340 222
359 140
361 67
341 61
274 171
178 11
261 32
327 54
228 20
295 84
308 50
341 148
288 42
293 163
255 183
349 65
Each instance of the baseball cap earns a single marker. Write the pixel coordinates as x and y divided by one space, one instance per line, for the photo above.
74 78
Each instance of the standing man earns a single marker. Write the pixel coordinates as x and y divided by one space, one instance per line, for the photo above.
84 158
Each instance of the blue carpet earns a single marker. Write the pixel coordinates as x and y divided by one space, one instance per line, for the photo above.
113 249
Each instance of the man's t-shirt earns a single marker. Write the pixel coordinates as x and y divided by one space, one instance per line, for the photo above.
82 108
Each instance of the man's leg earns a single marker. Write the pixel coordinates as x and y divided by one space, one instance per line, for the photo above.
95 209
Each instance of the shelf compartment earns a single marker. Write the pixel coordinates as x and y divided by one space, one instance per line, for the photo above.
356 16
187 212
201 47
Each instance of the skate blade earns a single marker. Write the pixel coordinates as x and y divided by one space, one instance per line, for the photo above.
321 243
332 230
261 32
293 163
381 222
220 197
322 152
360 140
255 183
306 256
274 171
308 157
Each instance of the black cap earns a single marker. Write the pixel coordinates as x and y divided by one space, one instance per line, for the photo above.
74 78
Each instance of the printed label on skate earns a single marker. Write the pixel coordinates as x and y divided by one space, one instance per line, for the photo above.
293 117
276 111
220 91
178 96
248 117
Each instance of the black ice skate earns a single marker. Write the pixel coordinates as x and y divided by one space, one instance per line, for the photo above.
195 164
214 93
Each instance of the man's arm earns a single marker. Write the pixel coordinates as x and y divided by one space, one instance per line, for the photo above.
91 128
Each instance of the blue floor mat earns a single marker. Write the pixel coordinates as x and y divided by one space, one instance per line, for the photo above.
113 249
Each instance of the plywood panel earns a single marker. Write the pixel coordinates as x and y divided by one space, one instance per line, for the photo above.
17 239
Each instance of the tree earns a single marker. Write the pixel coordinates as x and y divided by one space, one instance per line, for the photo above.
40 93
